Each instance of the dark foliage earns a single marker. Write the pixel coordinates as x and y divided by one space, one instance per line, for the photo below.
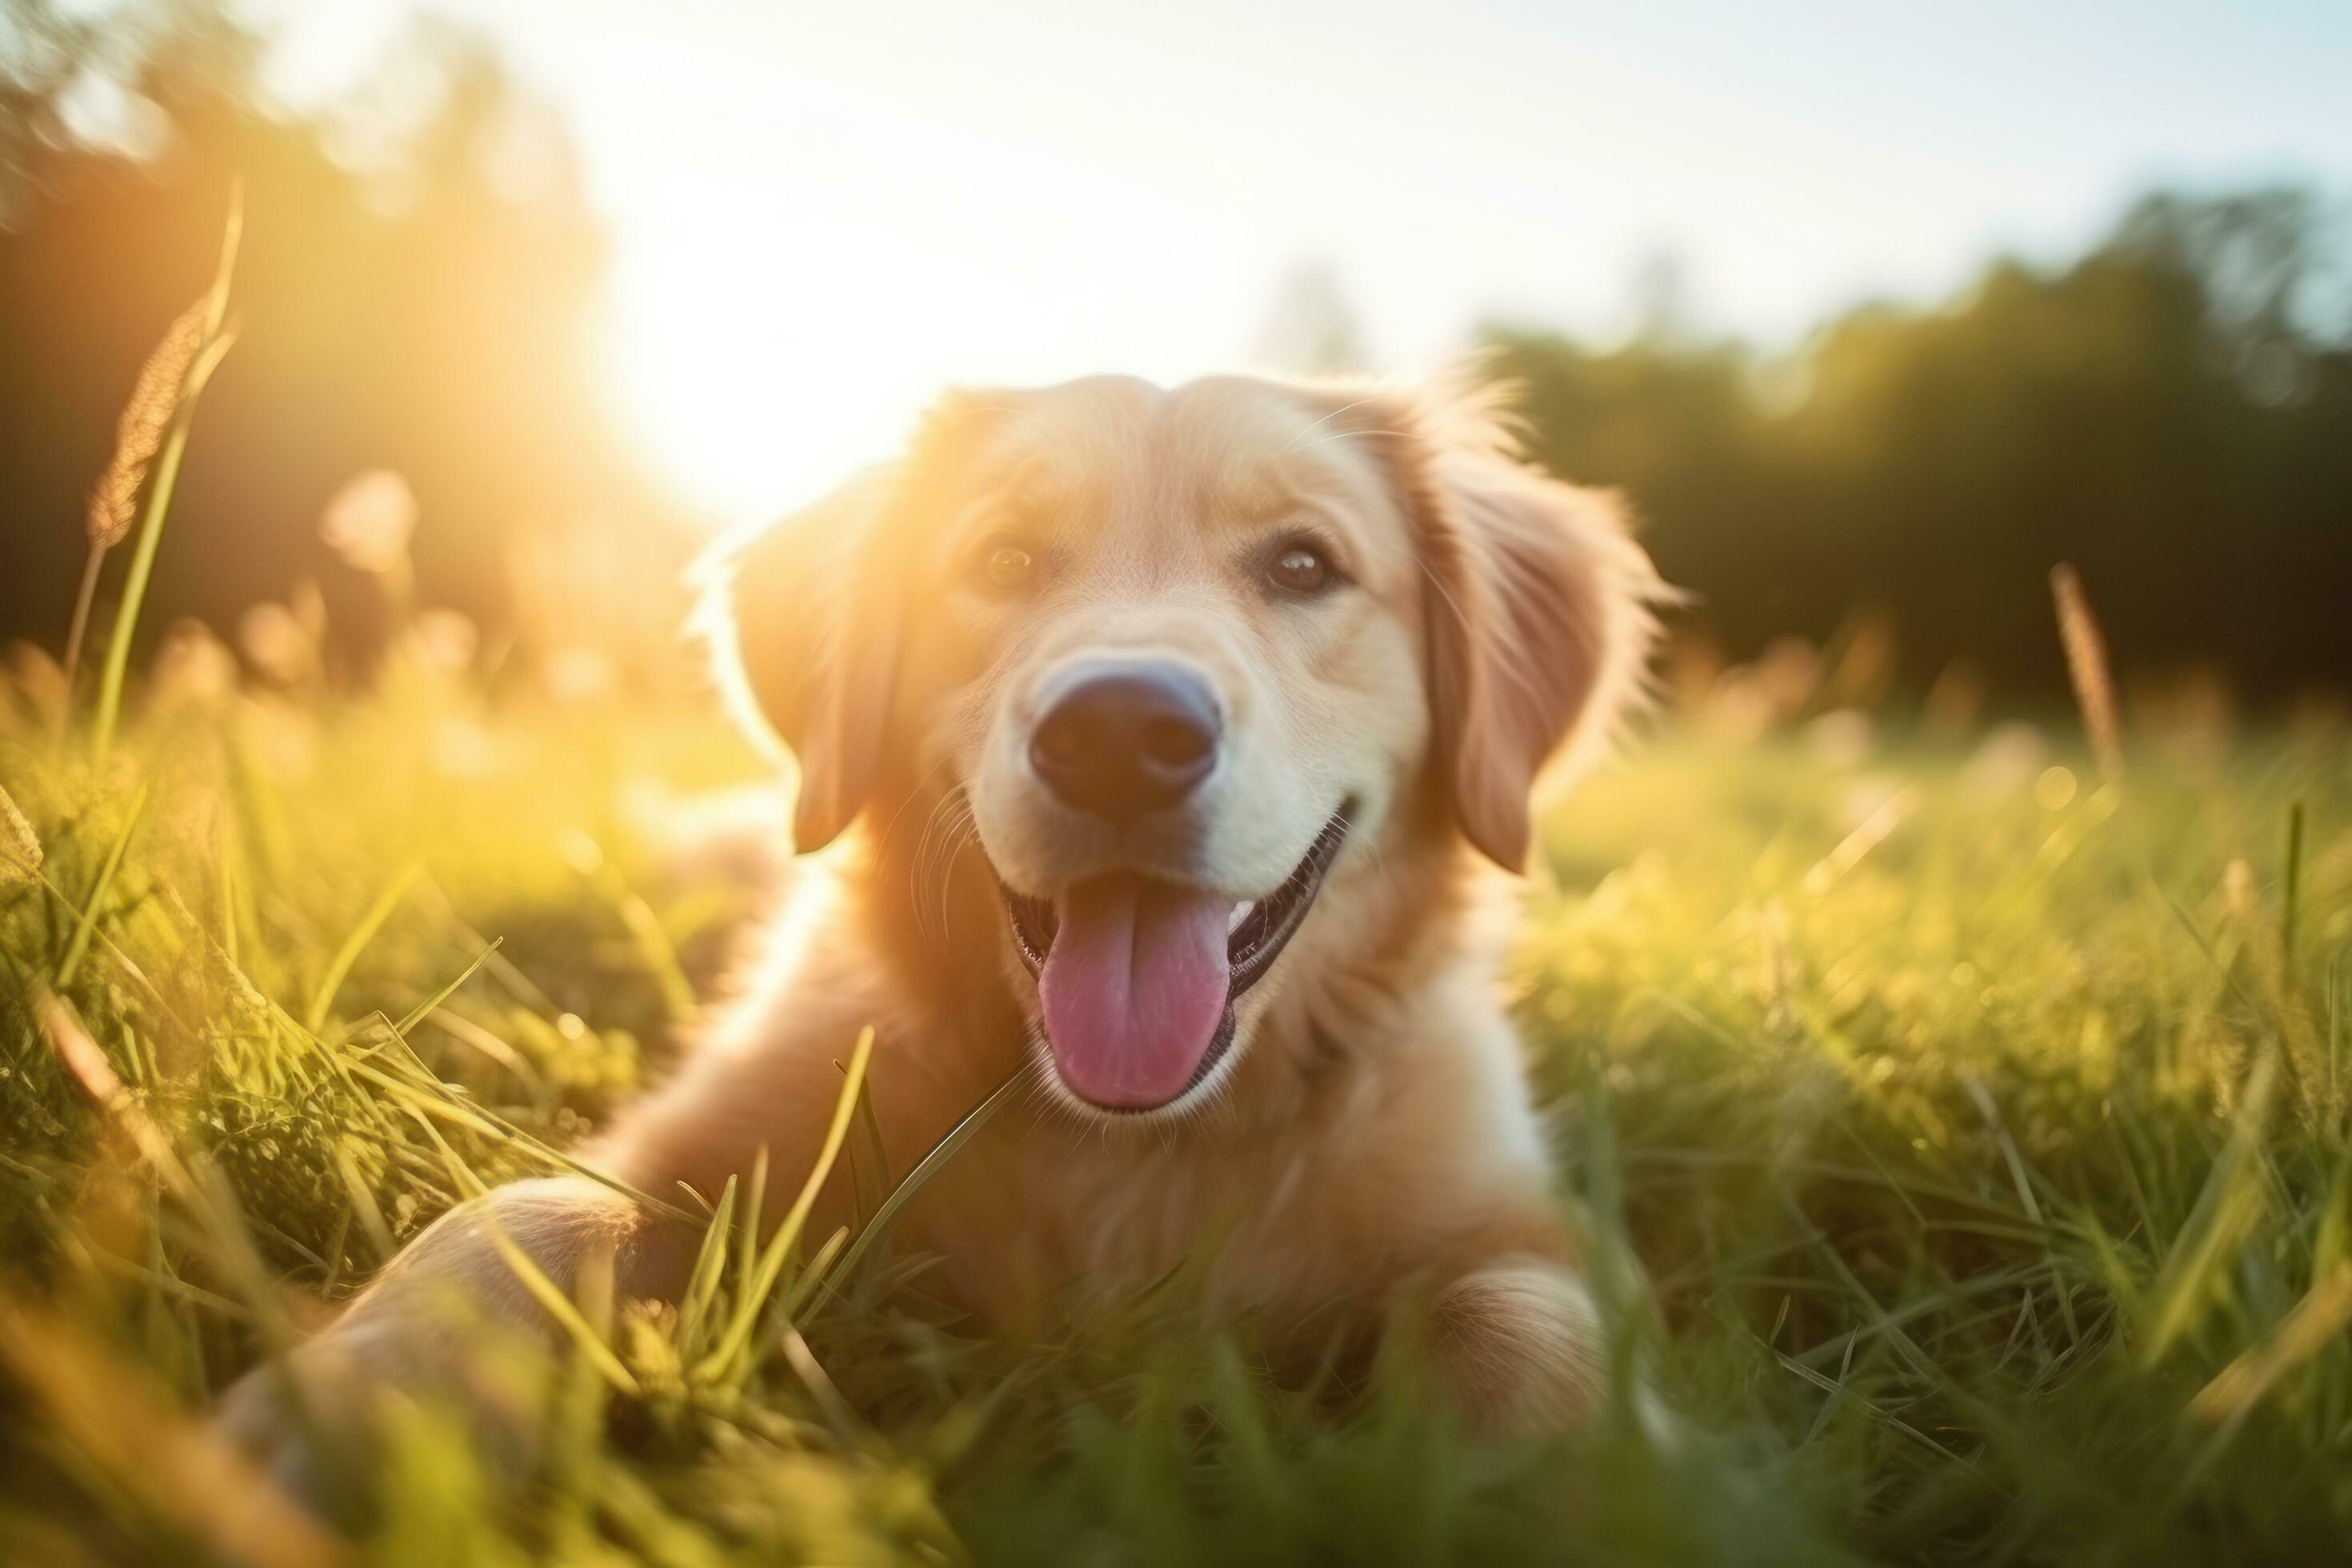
2172 413
411 294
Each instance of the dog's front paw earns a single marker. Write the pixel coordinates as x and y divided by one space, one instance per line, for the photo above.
309 1419
316 1419
1517 1347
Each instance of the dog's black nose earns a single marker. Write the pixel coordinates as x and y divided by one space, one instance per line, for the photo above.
1122 739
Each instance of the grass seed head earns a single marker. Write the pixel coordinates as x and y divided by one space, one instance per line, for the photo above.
2087 667
140 434
20 848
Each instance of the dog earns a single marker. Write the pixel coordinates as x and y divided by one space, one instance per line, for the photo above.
1165 747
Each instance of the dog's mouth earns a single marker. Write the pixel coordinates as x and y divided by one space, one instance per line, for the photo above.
1138 977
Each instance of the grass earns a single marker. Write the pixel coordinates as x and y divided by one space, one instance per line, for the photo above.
1959 1126
1978 1128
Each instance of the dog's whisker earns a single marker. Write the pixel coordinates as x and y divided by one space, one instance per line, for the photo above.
960 833
917 873
1351 435
1292 444
891 828
917 882
950 812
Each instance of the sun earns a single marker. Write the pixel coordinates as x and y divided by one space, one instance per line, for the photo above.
746 373
759 357
768 330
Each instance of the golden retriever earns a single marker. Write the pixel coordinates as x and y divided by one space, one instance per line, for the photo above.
1159 746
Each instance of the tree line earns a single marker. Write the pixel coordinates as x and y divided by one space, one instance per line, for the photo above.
2171 412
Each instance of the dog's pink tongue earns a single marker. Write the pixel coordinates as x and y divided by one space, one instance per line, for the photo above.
1134 988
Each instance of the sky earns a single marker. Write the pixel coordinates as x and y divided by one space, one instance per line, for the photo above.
822 212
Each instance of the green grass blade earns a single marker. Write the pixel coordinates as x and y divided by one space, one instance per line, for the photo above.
2289 916
78 946
709 1272
937 1156
772 1261
2226 1206
561 1307
339 968
432 1004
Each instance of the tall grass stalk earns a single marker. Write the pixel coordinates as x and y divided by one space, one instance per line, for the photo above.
113 504
212 344
2086 667
2291 914
763 1279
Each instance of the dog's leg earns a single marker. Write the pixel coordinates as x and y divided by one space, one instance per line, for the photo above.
419 1328
1517 1345
769 1084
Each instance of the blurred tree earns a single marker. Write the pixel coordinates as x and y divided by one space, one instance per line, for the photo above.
1662 298
2172 411
412 294
1310 329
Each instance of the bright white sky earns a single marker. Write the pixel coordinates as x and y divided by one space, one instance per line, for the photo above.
822 212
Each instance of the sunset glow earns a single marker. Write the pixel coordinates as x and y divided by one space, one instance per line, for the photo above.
820 216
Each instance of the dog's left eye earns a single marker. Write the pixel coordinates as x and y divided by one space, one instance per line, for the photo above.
1299 568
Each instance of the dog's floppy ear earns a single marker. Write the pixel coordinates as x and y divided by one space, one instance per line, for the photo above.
1538 613
803 633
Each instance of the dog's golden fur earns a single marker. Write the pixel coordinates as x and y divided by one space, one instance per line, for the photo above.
1368 1139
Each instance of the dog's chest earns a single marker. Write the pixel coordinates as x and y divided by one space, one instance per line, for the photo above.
1028 1224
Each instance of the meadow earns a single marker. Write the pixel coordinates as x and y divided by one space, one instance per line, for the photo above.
1955 1112
1960 1130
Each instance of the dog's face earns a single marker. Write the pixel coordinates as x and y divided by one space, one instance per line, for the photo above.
1195 660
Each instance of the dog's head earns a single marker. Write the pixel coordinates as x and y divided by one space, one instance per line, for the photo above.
1197 659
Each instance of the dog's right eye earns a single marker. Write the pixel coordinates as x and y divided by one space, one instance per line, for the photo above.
1301 569
1006 565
